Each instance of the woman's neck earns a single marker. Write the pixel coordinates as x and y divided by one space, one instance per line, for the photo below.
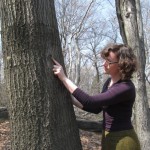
114 80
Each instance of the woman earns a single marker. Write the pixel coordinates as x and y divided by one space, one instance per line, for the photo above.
116 100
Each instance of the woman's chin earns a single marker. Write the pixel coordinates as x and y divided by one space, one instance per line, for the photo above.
106 72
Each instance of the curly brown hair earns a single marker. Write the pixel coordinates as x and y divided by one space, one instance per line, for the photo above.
127 61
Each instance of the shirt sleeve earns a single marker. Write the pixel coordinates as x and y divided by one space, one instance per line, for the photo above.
93 109
117 93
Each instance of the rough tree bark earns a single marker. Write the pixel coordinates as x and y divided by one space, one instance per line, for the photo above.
130 21
40 108
91 126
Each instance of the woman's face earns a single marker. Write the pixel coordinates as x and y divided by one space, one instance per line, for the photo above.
111 64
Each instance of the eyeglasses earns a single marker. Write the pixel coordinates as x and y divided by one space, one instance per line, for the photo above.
110 62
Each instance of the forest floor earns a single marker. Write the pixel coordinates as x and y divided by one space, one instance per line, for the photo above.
89 140
4 135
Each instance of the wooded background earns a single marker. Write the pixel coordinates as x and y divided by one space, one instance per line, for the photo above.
85 27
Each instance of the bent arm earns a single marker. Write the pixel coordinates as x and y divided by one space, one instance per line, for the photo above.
118 93
71 87
77 103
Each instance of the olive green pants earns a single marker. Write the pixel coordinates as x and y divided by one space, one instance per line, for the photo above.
120 140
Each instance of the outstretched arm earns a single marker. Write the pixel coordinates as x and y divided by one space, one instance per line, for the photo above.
58 70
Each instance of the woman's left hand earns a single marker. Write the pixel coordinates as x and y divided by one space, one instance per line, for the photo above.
58 70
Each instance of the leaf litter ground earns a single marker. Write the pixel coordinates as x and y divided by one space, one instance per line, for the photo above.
89 140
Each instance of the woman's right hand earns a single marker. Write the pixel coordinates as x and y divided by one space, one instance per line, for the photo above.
58 70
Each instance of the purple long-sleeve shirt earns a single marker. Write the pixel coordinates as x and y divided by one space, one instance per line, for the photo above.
116 103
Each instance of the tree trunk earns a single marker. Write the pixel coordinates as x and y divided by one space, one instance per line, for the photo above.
40 108
130 21
91 126
4 113
78 62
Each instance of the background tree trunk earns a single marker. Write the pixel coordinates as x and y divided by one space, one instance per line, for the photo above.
130 21
41 112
